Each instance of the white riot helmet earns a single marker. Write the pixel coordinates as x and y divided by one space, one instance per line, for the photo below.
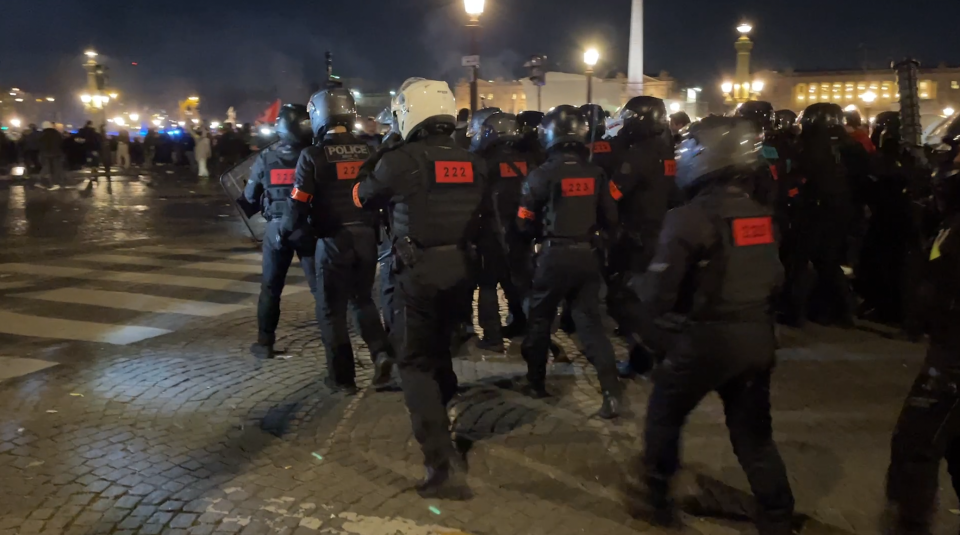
422 101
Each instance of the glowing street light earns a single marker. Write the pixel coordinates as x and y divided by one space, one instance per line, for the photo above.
744 28
86 99
215 124
134 116
726 87
474 8
674 107
15 123
591 57
869 97
50 99
90 54
120 121
195 121
157 122
757 86
113 95
948 111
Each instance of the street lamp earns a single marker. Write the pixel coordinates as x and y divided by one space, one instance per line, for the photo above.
15 123
134 116
86 99
50 99
744 28
757 86
948 111
727 87
590 57
474 9
113 95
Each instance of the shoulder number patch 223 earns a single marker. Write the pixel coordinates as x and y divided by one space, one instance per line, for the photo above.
577 187
752 231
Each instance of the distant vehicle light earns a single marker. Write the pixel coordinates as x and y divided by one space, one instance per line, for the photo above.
18 171
265 131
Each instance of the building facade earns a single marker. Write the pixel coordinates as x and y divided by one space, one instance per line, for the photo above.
871 91
514 96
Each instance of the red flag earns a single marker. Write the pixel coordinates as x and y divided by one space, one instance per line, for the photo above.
269 116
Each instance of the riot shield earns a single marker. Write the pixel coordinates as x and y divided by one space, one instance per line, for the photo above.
234 180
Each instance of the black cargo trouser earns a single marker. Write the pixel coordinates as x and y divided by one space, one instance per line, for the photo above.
277 258
927 432
426 293
821 241
568 272
736 361
494 270
346 268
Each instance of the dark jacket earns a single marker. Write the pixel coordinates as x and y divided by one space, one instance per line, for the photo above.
50 143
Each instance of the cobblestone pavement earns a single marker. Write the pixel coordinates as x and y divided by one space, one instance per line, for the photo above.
107 426
184 433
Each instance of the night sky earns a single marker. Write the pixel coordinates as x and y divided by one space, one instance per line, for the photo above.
246 52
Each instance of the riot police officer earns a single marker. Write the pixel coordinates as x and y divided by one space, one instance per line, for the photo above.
762 116
464 311
643 185
601 150
827 197
710 283
501 249
347 243
434 193
563 204
928 429
529 144
269 187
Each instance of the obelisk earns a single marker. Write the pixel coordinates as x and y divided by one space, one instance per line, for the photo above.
635 68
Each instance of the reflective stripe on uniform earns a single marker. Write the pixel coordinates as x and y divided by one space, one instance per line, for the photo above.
356 195
523 213
301 196
615 192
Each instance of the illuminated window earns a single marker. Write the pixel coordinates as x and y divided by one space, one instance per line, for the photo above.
874 85
514 96
849 85
954 85
490 96
799 97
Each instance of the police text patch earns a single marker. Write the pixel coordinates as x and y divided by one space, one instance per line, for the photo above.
752 231
577 187
669 168
346 153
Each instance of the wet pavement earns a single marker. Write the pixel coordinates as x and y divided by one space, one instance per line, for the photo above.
129 402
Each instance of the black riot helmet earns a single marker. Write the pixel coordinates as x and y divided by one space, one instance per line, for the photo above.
596 120
331 108
785 120
715 148
889 122
497 128
476 122
821 116
529 121
563 125
759 113
293 125
643 117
